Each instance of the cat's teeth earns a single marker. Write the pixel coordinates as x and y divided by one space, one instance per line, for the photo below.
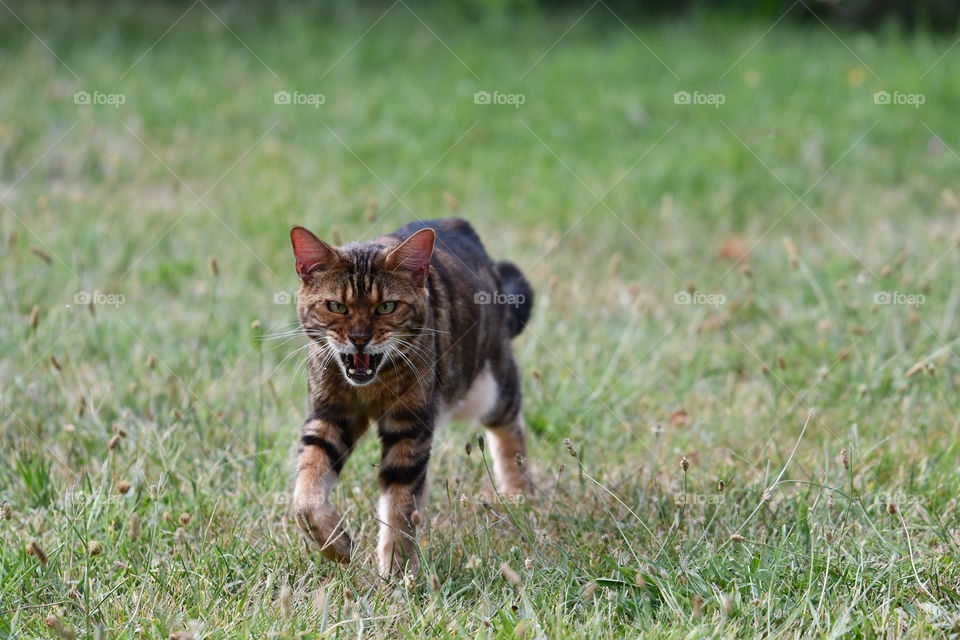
351 371
369 371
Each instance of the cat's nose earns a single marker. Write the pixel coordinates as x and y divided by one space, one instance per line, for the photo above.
359 340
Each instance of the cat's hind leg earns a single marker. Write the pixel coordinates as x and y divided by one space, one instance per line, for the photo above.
505 430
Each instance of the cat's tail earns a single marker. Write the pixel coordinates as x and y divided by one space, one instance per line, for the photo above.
518 296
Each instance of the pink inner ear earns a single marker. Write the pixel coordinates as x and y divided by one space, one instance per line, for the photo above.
310 252
413 255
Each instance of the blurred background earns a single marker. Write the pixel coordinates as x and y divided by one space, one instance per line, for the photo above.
731 212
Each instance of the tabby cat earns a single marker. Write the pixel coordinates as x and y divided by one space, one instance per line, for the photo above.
408 331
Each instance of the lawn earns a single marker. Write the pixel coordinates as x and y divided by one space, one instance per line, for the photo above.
743 239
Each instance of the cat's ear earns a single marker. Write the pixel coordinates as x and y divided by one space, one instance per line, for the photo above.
413 255
312 253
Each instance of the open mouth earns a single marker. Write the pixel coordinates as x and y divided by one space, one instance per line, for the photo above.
361 367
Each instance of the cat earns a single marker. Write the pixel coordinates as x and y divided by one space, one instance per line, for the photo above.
409 331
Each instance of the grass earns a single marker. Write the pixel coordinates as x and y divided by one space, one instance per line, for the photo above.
788 210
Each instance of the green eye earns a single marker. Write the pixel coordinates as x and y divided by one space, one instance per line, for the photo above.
337 307
386 307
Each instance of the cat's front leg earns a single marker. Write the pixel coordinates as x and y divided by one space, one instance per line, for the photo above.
325 443
406 436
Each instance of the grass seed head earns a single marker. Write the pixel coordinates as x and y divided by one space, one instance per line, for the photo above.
684 463
468 448
114 441
34 316
134 527
845 458
33 549
285 599
452 203
55 363
43 255
510 575
60 628
721 485
480 444
371 211
791 250
892 508
214 267
588 592
94 548
767 495
151 361
5 510
736 537
192 632
123 487
696 605
726 604
528 564
184 518
572 450
320 601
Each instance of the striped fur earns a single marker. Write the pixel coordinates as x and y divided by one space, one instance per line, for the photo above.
439 348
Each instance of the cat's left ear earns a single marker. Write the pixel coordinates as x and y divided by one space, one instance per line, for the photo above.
413 255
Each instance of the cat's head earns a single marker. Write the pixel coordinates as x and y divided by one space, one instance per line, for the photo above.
364 303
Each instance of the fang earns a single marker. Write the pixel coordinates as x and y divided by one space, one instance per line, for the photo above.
351 371
369 371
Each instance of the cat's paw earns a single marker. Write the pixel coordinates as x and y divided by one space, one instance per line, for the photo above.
400 559
321 523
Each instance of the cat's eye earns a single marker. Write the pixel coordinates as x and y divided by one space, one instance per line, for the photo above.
386 307
337 307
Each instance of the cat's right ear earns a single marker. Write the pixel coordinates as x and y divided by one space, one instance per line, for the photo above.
311 253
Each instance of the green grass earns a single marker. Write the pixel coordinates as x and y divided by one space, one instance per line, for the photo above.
611 196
